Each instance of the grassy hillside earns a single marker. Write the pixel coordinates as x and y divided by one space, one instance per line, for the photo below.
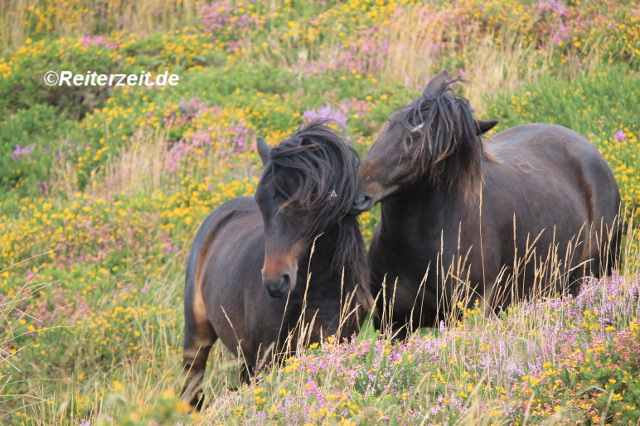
103 188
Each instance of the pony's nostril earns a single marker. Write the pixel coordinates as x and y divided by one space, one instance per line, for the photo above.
285 282
279 287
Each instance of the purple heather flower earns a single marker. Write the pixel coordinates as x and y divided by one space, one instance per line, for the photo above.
325 113
18 152
99 41
555 6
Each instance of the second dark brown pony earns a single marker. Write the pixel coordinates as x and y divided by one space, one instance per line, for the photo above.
284 265
536 206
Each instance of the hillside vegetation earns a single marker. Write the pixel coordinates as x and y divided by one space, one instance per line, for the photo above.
103 188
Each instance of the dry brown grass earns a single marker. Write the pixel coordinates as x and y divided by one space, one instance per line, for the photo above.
492 62
144 166
22 19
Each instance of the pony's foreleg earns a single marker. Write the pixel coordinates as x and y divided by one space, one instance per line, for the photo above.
199 336
197 346
246 373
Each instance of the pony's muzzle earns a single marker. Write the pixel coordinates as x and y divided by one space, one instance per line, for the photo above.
280 286
280 270
362 203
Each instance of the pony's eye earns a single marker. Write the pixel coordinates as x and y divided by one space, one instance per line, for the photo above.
295 205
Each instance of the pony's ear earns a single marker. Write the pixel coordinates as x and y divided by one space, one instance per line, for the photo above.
436 85
483 126
263 150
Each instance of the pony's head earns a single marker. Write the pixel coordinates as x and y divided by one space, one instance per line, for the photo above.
434 138
309 183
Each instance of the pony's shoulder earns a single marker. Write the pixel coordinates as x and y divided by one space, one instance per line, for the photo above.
239 206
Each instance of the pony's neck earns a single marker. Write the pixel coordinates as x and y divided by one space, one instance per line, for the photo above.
416 209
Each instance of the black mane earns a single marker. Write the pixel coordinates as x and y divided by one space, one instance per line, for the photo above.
443 139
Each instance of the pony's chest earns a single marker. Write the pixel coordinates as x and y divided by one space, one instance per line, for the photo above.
408 249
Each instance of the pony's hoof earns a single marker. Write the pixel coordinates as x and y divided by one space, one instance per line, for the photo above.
197 402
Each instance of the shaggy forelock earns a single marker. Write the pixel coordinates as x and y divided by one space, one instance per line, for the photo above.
439 136
324 171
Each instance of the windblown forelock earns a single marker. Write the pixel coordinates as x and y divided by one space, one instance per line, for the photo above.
324 169
438 127
421 117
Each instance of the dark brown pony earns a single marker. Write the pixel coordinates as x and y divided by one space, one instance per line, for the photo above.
285 265
462 217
